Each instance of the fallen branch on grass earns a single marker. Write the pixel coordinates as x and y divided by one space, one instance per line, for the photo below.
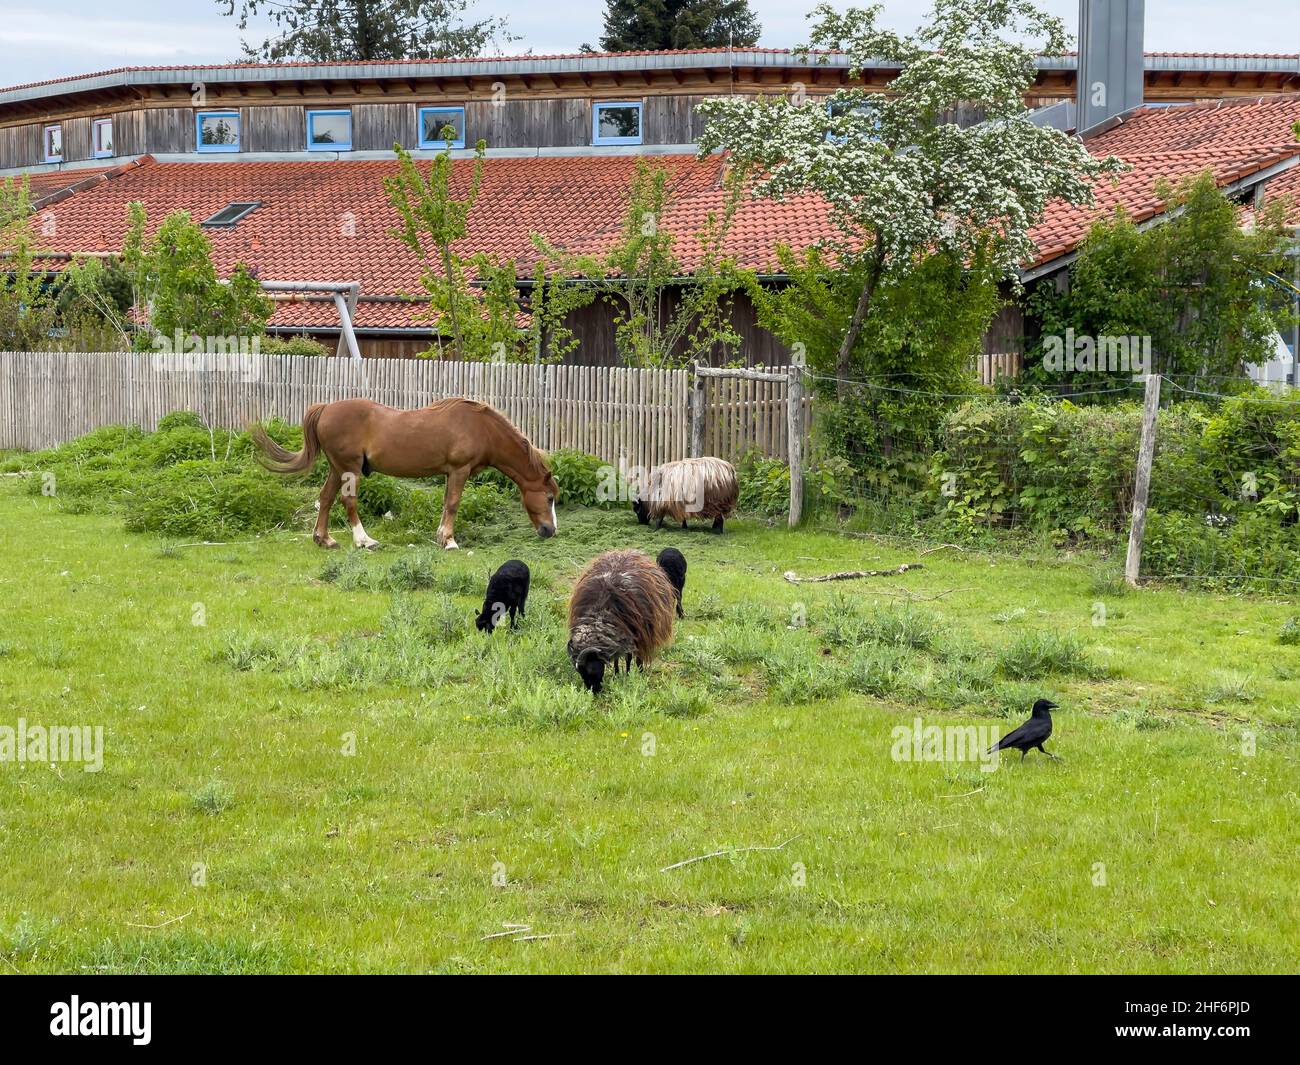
730 850
161 924
916 597
853 574
518 933
940 547
964 794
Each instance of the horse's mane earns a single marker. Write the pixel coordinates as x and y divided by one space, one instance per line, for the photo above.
536 457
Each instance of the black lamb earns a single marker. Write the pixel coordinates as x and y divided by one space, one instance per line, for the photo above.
507 593
673 563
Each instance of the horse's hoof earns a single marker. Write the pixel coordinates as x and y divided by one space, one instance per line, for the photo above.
329 543
451 545
367 544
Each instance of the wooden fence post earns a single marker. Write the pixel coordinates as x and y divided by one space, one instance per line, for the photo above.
697 415
1142 484
794 425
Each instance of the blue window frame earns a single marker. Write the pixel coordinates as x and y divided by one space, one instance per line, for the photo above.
433 120
616 123
52 144
329 131
102 136
216 131
832 111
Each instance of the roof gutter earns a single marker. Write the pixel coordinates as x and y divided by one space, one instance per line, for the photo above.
214 74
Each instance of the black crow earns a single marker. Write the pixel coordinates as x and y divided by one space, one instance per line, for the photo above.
673 563
1033 733
507 593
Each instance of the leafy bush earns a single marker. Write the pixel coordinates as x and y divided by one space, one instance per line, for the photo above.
292 345
1034 655
764 485
1225 485
206 500
379 494
179 419
1289 634
581 479
1254 547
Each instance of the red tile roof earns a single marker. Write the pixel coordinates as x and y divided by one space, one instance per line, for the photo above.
1224 126
47 183
1234 139
329 220
1064 226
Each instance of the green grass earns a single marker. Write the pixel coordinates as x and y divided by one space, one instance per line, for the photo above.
335 772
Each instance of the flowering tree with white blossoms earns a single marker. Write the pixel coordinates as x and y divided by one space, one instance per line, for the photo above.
902 183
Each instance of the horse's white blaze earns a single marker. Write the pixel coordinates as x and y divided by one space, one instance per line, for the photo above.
555 525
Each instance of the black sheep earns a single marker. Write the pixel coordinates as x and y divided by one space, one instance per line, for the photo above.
507 592
673 563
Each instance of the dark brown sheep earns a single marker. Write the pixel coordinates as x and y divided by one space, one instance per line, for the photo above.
621 609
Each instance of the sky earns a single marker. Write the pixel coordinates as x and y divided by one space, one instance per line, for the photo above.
61 37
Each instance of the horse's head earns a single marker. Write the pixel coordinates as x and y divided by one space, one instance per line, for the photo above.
539 495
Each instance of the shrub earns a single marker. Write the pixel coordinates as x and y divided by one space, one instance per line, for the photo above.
1033 655
292 345
1289 634
206 500
1252 547
378 494
180 419
764 485
582 480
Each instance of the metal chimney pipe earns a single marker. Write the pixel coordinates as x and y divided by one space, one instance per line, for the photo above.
1111 69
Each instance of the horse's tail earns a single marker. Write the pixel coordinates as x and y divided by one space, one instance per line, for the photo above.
280 460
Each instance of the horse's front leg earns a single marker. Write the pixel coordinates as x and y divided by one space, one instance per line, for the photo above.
450 501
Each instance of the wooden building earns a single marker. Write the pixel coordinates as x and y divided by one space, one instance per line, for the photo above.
305 146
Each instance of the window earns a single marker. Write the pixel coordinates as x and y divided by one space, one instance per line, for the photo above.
103 134
329 131
433 120
218 131
230 215
616 124
868 121
53 144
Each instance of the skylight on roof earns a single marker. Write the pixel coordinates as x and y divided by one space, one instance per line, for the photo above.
230 215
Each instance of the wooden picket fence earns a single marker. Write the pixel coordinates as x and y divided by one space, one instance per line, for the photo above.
989 366
46 398
746 414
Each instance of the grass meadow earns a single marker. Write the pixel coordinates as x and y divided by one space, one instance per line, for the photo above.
312 762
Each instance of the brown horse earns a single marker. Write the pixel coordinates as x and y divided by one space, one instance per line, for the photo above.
457 437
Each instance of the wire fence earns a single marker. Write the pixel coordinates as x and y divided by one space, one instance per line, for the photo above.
1019 472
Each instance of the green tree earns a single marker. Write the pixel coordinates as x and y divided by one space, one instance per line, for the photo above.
901 183
433 220
27 304
911 366
1199 285
356 30
640 25
176 285
664 314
